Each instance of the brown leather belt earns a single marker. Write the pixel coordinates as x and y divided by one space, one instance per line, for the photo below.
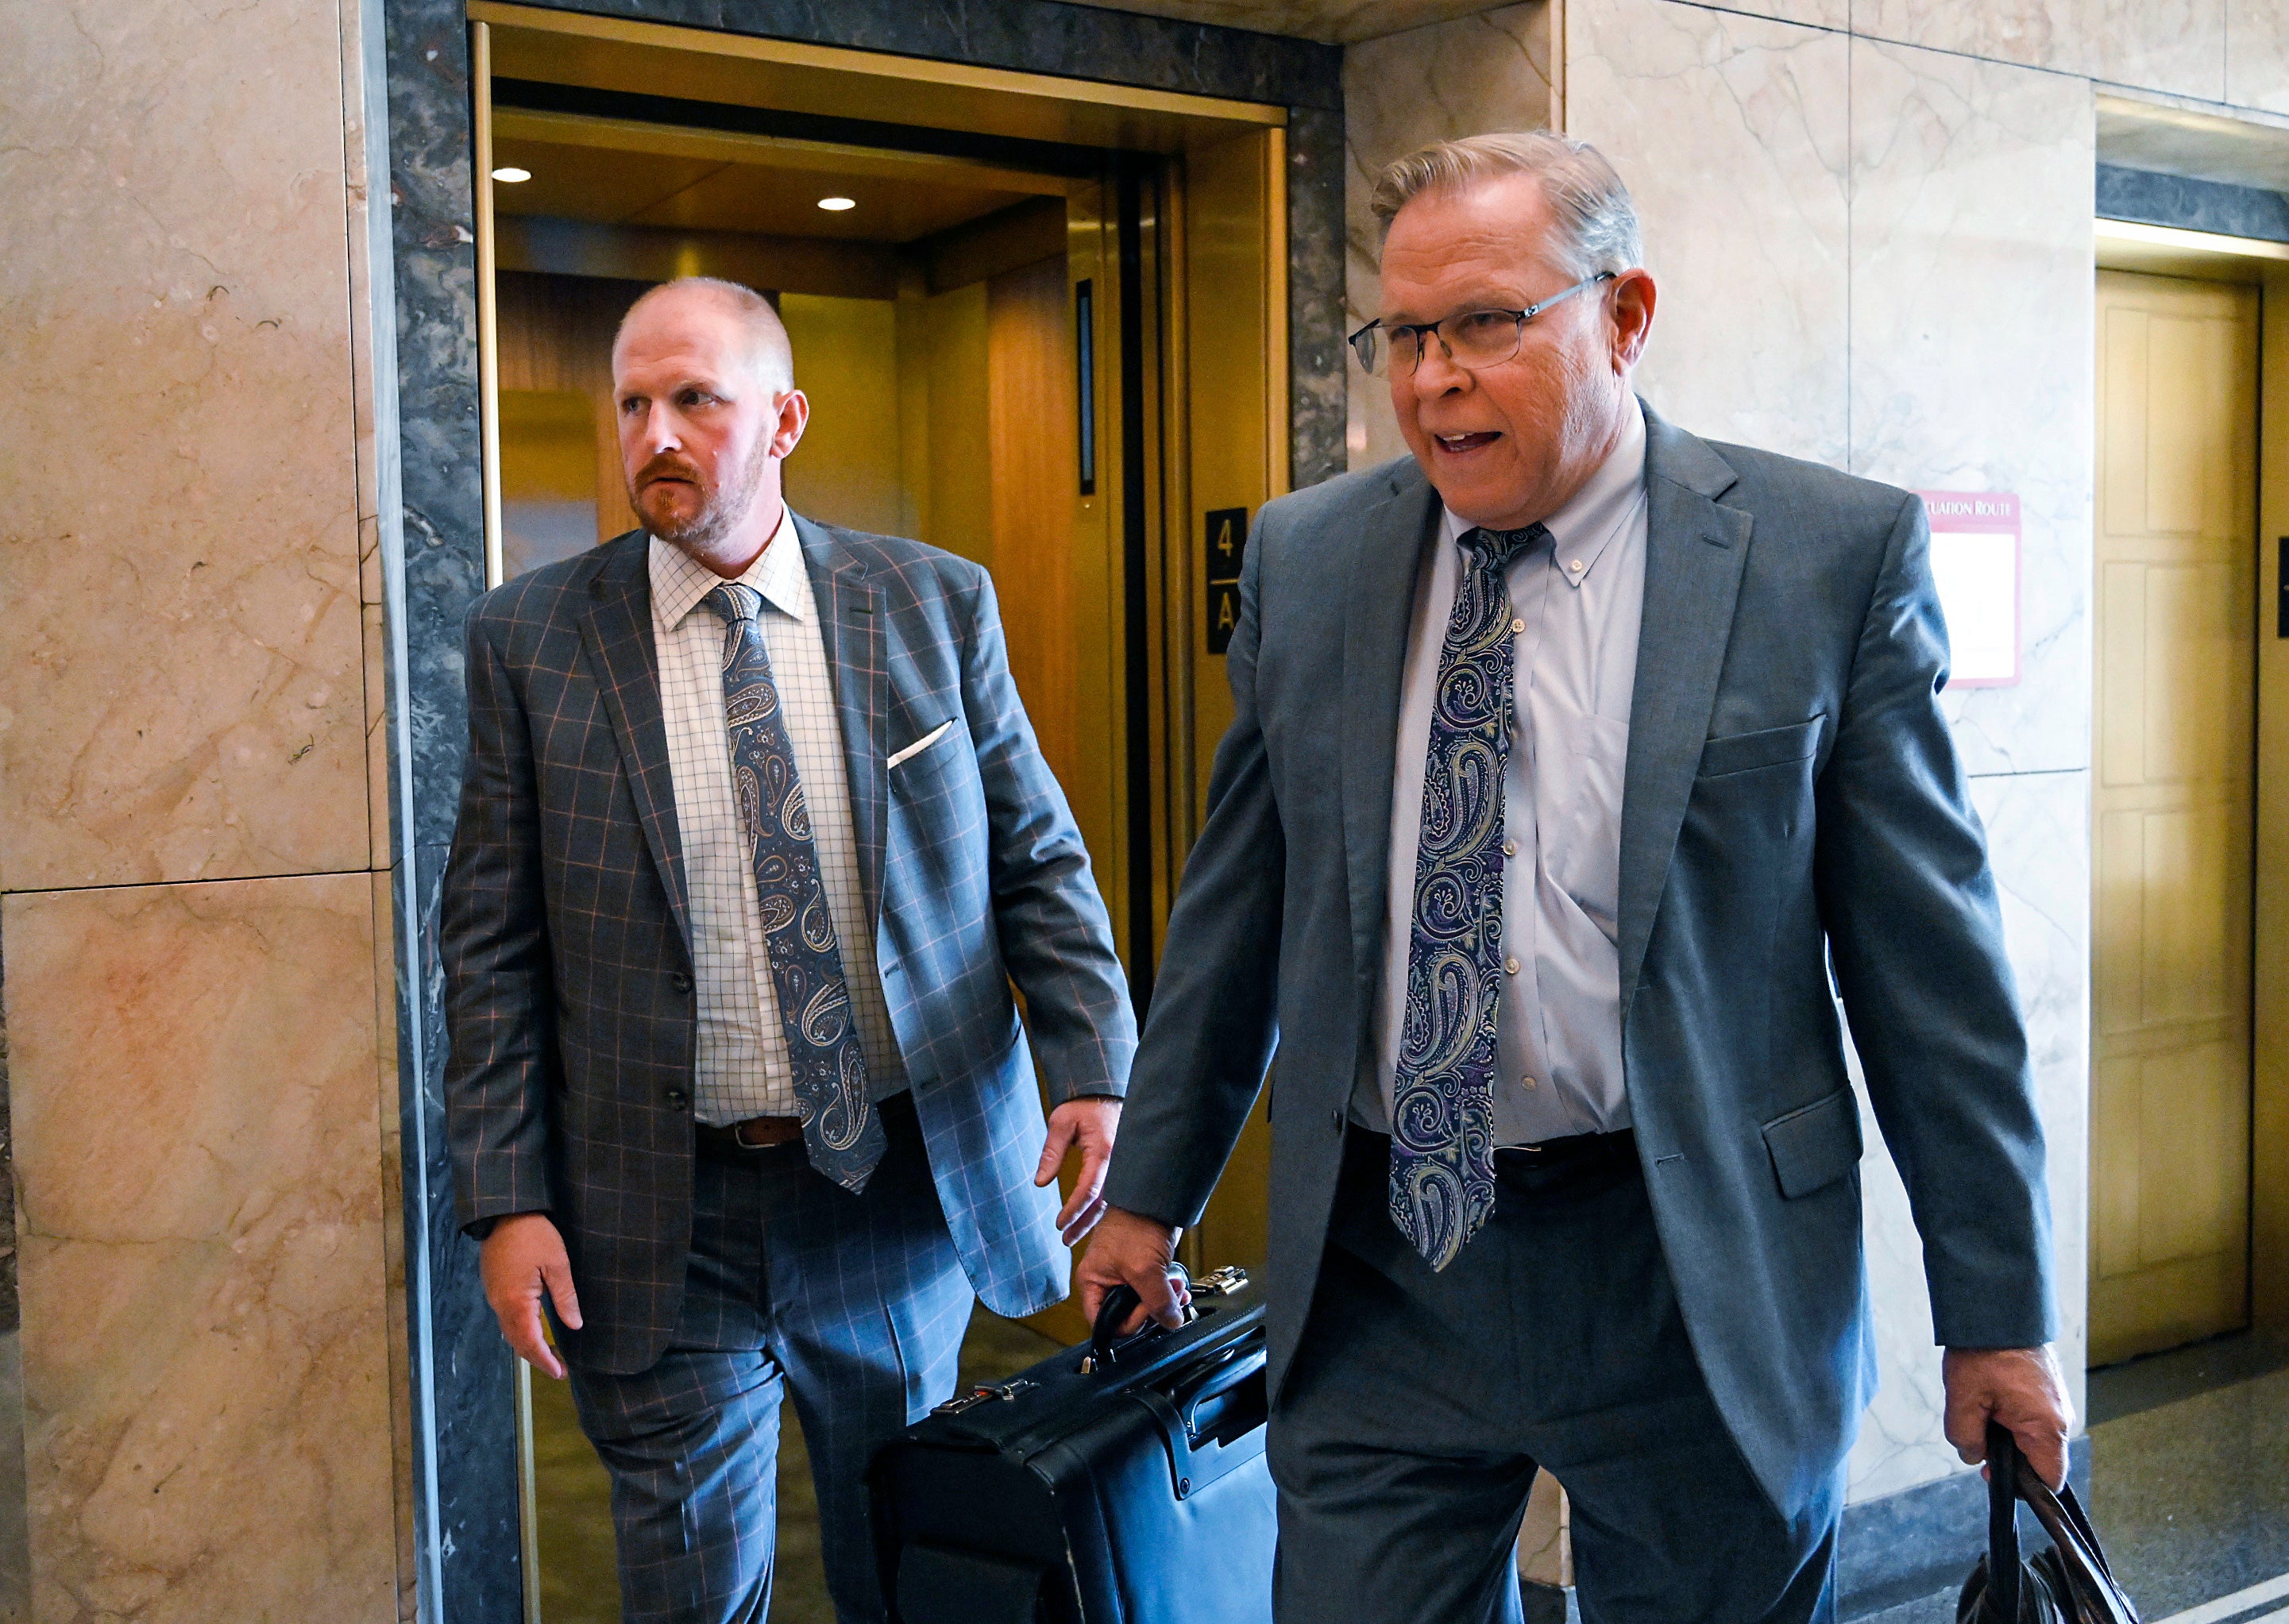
741 1140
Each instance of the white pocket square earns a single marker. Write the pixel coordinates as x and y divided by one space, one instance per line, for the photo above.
919 745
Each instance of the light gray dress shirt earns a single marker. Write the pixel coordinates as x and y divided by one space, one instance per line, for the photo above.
1577 602
741 1069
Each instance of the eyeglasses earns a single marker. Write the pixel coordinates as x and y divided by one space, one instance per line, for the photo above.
1472 338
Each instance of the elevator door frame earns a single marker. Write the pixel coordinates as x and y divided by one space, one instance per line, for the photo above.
1191 368
2162 250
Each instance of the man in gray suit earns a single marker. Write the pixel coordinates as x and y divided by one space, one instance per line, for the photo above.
753 842
1569 757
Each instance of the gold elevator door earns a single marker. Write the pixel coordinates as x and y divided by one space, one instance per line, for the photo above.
2176 624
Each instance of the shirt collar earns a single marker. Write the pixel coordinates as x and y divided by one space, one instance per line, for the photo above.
1583 530
679 585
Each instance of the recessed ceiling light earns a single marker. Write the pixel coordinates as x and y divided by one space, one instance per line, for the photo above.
510 173
836 205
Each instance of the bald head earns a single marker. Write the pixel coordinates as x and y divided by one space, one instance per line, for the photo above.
703 385
724 310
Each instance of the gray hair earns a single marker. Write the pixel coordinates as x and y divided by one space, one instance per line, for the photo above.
1597 222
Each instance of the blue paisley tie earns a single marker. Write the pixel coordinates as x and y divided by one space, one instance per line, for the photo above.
840 1127
1443 1168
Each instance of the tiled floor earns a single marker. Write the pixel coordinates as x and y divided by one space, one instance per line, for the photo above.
2189 1480
578 1585
2189 1471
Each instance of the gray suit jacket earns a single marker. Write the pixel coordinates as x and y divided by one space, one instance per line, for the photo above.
566 938
1791 795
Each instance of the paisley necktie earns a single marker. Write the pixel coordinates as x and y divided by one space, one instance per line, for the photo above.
839 1129
1442 1174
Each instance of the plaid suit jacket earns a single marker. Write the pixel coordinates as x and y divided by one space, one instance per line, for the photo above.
566 938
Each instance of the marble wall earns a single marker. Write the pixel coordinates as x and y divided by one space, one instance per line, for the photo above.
189 827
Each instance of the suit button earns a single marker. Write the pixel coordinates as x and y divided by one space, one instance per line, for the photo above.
1335 1120
679 981
676 1096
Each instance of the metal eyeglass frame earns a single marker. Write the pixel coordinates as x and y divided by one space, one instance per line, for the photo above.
1363 341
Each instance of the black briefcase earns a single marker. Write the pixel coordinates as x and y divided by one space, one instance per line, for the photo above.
1115 1483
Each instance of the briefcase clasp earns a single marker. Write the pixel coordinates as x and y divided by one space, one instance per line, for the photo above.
1220 1282
977 1396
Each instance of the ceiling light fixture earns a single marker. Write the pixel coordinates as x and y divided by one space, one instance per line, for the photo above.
512 175
836 205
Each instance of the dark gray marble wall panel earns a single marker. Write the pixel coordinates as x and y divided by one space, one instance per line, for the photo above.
466 1426
1317 405
1081 41
2191 205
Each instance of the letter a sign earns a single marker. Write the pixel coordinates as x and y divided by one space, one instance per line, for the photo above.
1226 529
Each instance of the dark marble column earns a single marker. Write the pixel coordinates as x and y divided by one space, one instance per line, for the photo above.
465 1447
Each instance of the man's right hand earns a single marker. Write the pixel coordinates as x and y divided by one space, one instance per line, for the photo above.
521 1258
1134 1251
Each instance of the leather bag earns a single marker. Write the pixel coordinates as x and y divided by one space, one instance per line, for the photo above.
2070 1583
1120 1481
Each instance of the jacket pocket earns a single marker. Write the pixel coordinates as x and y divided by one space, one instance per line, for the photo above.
1745 752
1815 1145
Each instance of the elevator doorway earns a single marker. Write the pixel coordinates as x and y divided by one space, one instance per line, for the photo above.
1042 325
2172 859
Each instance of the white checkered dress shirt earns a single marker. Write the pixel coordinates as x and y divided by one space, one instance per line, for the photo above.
741 1068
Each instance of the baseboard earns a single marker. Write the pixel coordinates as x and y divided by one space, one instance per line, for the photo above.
1921 1540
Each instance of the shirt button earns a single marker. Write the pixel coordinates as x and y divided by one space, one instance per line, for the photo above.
1510 848
1517 625
1530 1084
1576 566
1511 965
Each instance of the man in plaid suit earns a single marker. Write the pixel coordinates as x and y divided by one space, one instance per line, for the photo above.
754 840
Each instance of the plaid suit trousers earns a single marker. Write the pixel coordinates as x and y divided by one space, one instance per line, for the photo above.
855 1305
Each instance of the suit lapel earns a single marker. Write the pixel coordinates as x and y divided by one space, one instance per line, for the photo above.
1695 554
1379 580
618 631
850 627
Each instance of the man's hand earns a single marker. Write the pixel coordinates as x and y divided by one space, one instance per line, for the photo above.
522 1257
1088 1127
1137 1251
2021 1388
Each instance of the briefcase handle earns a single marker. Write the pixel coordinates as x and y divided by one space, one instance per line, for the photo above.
1105 1346
2096 1594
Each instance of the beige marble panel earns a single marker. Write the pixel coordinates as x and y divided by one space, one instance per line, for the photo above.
1972 370
2175 45
197 1088
2038 832
184 696
2257 54
1971 324
1732 133
1481 74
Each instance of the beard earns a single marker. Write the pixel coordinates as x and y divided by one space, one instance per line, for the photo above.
720 509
